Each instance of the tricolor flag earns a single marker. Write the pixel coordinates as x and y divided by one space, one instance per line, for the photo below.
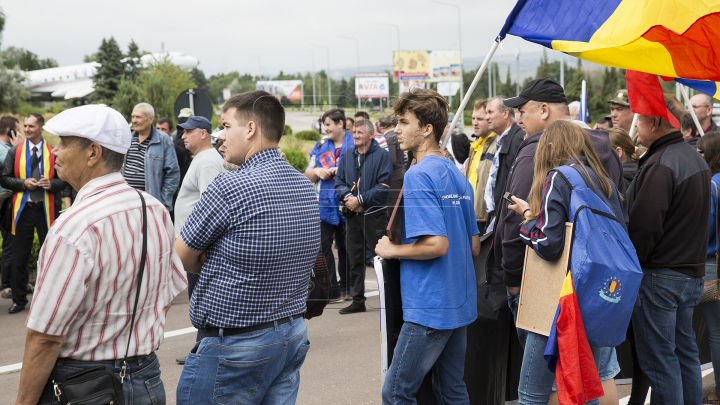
568 352
674 38
710 88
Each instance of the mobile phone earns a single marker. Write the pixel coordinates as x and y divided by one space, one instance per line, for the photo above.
11 133
509 197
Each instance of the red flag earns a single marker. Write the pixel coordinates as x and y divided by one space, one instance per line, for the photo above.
646 96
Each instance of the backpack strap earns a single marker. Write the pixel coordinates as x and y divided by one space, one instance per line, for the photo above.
572 176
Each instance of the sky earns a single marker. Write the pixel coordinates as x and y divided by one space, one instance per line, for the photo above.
281 34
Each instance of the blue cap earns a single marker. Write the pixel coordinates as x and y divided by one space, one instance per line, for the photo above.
196 122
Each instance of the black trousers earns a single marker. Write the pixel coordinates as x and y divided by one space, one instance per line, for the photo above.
327 231
6 258
32 218
362 229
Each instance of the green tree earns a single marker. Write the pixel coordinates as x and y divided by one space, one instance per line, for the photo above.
93 57
127 97
12 91
110 72
2 23
200 80
19 58
573 88
162 83
131 61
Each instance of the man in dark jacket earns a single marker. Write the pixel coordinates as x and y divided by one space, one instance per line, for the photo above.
366 196
541 103
510 136
387 123
669 222
36 200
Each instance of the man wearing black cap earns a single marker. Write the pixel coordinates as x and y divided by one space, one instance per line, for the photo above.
541 103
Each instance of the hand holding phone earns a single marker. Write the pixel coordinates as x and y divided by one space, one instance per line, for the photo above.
509 197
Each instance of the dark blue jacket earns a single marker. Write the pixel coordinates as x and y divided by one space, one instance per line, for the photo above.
375 178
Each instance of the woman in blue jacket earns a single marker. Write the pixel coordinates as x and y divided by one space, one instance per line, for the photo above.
709 148
562 143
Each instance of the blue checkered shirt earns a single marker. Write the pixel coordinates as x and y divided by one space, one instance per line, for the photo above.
260 225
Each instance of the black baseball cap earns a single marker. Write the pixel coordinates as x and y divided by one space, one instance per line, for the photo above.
543 90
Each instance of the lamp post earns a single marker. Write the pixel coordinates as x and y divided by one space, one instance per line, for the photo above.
398 49
517 72
357 48
462 86
328 75
313 78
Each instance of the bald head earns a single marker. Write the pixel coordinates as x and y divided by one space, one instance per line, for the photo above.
702 104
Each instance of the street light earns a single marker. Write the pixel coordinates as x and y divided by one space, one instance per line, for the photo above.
313 77
398 48
462 90
259 64
328 75
357 48
517 72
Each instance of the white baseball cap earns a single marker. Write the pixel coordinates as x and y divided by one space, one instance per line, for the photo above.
96 122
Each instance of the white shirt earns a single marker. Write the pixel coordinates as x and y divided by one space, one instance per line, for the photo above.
204 168
87 273
39 155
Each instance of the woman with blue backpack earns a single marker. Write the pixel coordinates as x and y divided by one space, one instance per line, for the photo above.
709 148
567 163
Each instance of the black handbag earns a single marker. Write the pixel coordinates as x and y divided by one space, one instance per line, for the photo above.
98 385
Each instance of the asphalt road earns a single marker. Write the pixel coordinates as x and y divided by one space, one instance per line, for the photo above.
342 366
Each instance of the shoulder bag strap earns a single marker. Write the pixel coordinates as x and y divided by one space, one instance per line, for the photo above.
139 282
717 240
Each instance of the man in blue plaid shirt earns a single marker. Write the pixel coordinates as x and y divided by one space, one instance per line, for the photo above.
253 237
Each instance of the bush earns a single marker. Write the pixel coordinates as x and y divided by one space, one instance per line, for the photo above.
308 135
287 130
296 158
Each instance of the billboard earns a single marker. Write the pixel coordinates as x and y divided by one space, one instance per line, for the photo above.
432 66
288 88
372 85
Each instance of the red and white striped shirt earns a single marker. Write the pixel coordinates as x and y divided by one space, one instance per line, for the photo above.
87 272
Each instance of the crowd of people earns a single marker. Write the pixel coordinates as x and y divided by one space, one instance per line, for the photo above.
223 214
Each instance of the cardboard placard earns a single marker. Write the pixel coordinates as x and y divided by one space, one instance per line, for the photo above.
540 290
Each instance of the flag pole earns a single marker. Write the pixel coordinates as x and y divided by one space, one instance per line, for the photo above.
469 93
683 90
633 129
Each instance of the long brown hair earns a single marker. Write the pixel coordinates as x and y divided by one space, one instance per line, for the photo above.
561 142
710 145
620 139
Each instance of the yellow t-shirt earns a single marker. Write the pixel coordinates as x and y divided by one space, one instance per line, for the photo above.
478 145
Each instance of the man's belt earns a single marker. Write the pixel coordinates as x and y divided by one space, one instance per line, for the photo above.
73 361
215 332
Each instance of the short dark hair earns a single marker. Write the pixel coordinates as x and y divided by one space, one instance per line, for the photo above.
710 145
386 121
6 123
350 119
687 122
363 115
261 107
40 119
165 120
337 115
428 106
113 160
605 118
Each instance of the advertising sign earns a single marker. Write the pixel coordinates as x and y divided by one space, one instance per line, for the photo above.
433 66
448 89
287 88
372 85
406 85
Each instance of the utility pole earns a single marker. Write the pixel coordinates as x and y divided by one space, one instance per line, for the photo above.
517 72
313 78
562 71
328 75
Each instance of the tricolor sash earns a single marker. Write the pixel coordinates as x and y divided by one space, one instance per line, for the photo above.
23 170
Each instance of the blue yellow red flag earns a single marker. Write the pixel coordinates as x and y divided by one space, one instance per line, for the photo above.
710 88
674 38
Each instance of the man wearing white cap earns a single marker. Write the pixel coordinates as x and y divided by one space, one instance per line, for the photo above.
89 269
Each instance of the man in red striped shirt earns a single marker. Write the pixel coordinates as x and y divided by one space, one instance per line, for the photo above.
87 269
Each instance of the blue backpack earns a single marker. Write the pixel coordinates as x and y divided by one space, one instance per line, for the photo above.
605 269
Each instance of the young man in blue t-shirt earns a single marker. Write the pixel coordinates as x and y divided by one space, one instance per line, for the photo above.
437 276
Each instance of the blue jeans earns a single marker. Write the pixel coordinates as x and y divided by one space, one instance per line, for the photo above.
260 367
711 313
420 349
142 385
664 337
536 381
513 302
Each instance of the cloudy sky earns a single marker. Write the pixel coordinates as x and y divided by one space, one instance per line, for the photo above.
223 34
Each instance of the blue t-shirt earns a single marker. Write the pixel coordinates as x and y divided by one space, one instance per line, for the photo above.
438 200
712 245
